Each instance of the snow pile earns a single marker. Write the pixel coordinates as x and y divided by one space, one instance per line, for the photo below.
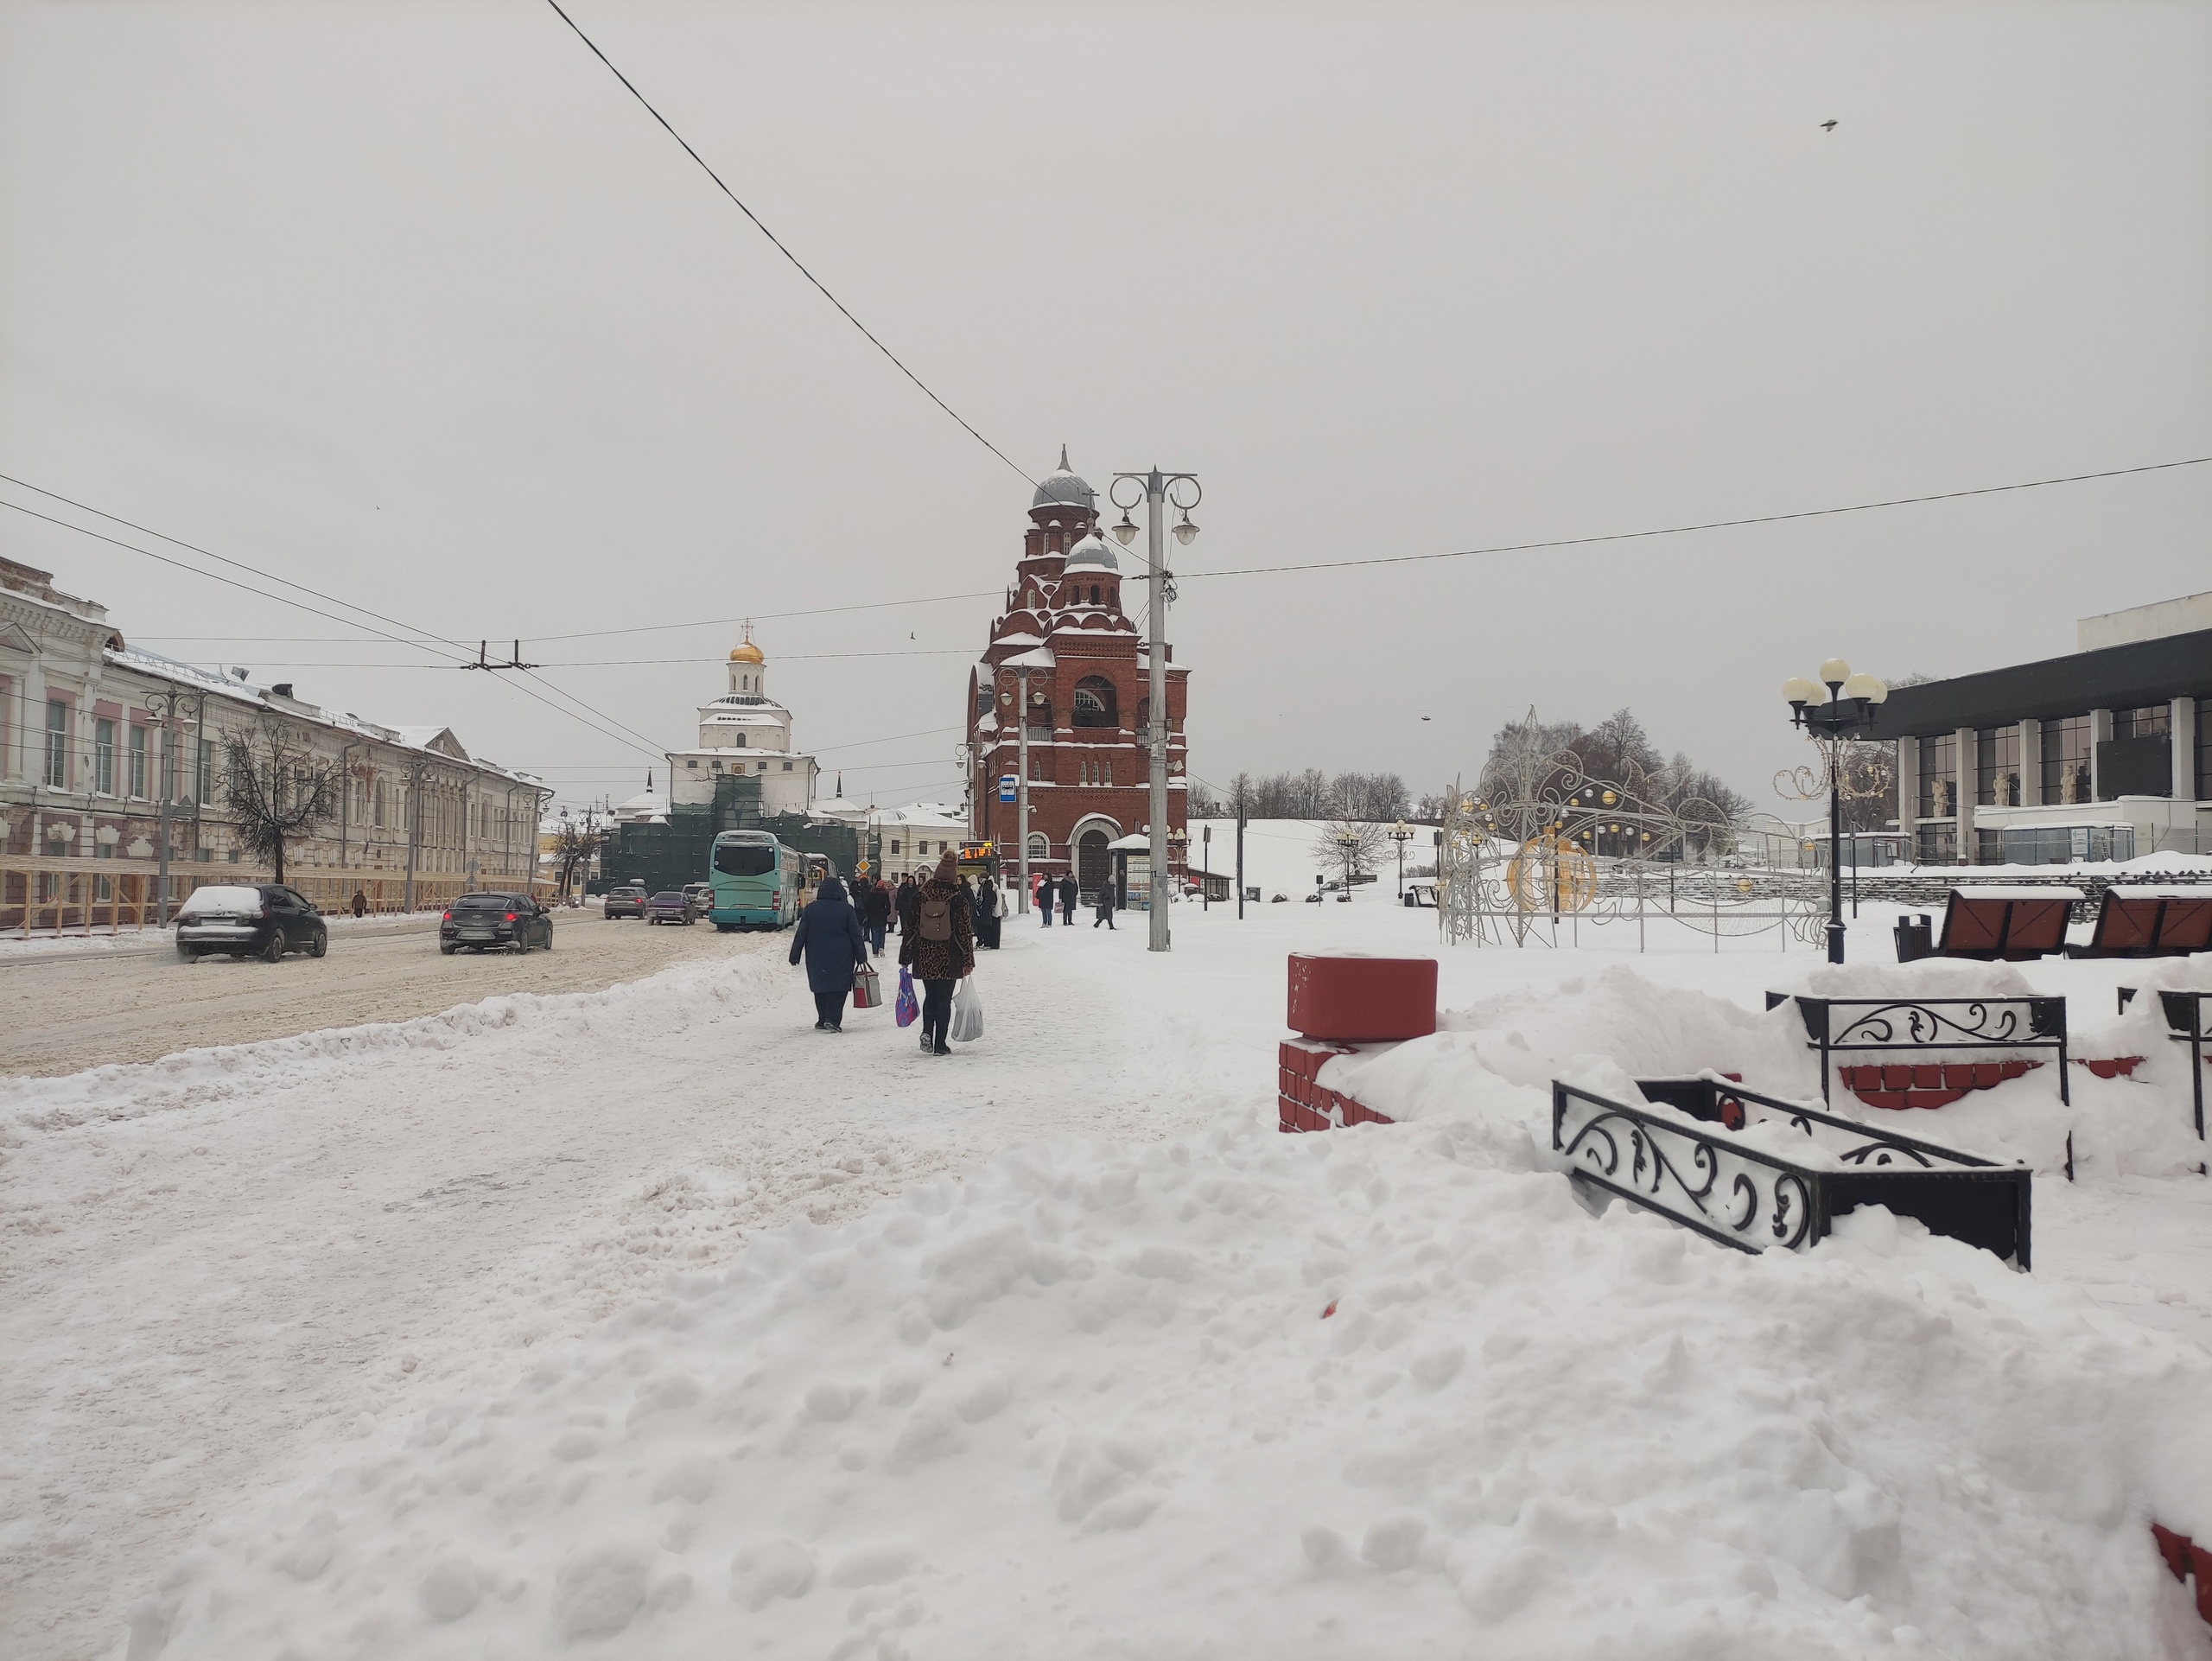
1602 1033
1093 1400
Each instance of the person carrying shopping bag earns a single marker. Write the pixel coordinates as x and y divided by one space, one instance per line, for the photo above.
828 937
941 950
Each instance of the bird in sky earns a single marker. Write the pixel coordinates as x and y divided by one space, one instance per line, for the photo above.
1827 126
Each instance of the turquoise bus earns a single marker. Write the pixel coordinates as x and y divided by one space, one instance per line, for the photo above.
758 882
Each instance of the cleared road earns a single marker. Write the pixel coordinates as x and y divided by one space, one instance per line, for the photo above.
70 1010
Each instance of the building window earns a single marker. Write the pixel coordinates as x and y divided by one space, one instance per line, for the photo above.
2204 746
787 767
2149 722
138 761
1094 701
103 756
1094 594
1939 776
1040 849
741 741
1997 768
2066 761
894 844
690 761
1937 844
57 744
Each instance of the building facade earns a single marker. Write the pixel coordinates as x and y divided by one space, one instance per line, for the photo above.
746 733
2105 754
95 733
1065 661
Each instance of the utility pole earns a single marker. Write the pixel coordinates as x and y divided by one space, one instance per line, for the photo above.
1156 484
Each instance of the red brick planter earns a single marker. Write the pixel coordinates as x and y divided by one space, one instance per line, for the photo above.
1301 1104
1938 1084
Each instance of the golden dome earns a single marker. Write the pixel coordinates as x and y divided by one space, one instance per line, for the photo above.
746 652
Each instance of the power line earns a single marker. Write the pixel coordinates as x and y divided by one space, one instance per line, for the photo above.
1680 529
780 249
767 616
457 654
598 663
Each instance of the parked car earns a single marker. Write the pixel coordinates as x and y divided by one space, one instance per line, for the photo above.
510 922
703 897
265 920
671 906
626 899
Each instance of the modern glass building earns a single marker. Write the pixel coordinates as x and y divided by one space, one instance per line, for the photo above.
2105 753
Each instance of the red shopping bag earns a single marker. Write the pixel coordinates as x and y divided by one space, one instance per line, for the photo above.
868 991
908 1009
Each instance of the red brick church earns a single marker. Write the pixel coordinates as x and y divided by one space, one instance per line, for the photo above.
1088 773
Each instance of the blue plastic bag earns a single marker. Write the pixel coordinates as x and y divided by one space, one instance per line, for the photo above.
908 1009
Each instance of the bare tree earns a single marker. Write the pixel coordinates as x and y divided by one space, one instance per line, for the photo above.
1356 845
277 789
573 845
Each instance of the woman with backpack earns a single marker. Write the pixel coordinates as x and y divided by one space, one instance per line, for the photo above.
940 950
829 936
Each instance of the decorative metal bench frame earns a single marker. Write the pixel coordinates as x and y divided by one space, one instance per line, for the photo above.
1993 1023
1752 1199
2185 1024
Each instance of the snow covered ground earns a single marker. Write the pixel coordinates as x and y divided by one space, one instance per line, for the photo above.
649 1321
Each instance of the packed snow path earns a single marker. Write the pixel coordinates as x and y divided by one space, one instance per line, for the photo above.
210 1254
384 1255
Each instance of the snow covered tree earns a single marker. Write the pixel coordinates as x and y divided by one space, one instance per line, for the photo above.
575 845
278 790
1356 844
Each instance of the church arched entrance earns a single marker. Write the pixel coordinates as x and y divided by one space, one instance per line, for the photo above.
1094 866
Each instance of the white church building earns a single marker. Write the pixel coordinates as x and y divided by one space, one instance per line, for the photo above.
744 732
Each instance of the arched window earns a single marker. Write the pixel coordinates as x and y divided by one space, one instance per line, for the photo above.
983 700
1094 594
1040 849
1095 702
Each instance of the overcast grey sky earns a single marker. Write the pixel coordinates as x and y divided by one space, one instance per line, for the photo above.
414 303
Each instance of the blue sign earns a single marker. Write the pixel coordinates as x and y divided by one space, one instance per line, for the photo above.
1007 790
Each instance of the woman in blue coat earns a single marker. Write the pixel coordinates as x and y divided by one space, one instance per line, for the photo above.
829 933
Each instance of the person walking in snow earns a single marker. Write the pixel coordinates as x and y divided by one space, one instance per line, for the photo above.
941 951
1041 896
1105 905
360 903
988 904
876 914
828 937
1068 893
906 906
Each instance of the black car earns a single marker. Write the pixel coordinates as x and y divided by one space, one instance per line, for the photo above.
510 922
264 920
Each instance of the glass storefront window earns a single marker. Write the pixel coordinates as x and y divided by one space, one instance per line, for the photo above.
1989 847
1939 776
2064 844
2148 721
2203 748
1938 844
1997 767
2066 761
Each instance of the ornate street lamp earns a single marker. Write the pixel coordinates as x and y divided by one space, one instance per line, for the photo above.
1832 712
1400 833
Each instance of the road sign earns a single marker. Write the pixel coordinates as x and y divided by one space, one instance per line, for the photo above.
1008 792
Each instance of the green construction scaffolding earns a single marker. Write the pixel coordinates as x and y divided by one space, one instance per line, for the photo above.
676 851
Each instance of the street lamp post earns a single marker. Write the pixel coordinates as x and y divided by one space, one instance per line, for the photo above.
1401 833
1832 710
167 707
1158 491
1206 870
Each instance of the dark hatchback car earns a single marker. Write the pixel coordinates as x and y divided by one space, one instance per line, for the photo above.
672 906
264 920
626 899
503 922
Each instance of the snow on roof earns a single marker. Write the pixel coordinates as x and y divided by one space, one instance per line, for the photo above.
1041 658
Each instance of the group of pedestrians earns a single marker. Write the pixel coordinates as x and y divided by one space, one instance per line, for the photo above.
939 918
1046 891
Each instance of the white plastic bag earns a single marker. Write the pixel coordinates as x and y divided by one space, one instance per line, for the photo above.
967 1024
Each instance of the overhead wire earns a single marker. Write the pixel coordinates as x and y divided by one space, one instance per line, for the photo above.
796 264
